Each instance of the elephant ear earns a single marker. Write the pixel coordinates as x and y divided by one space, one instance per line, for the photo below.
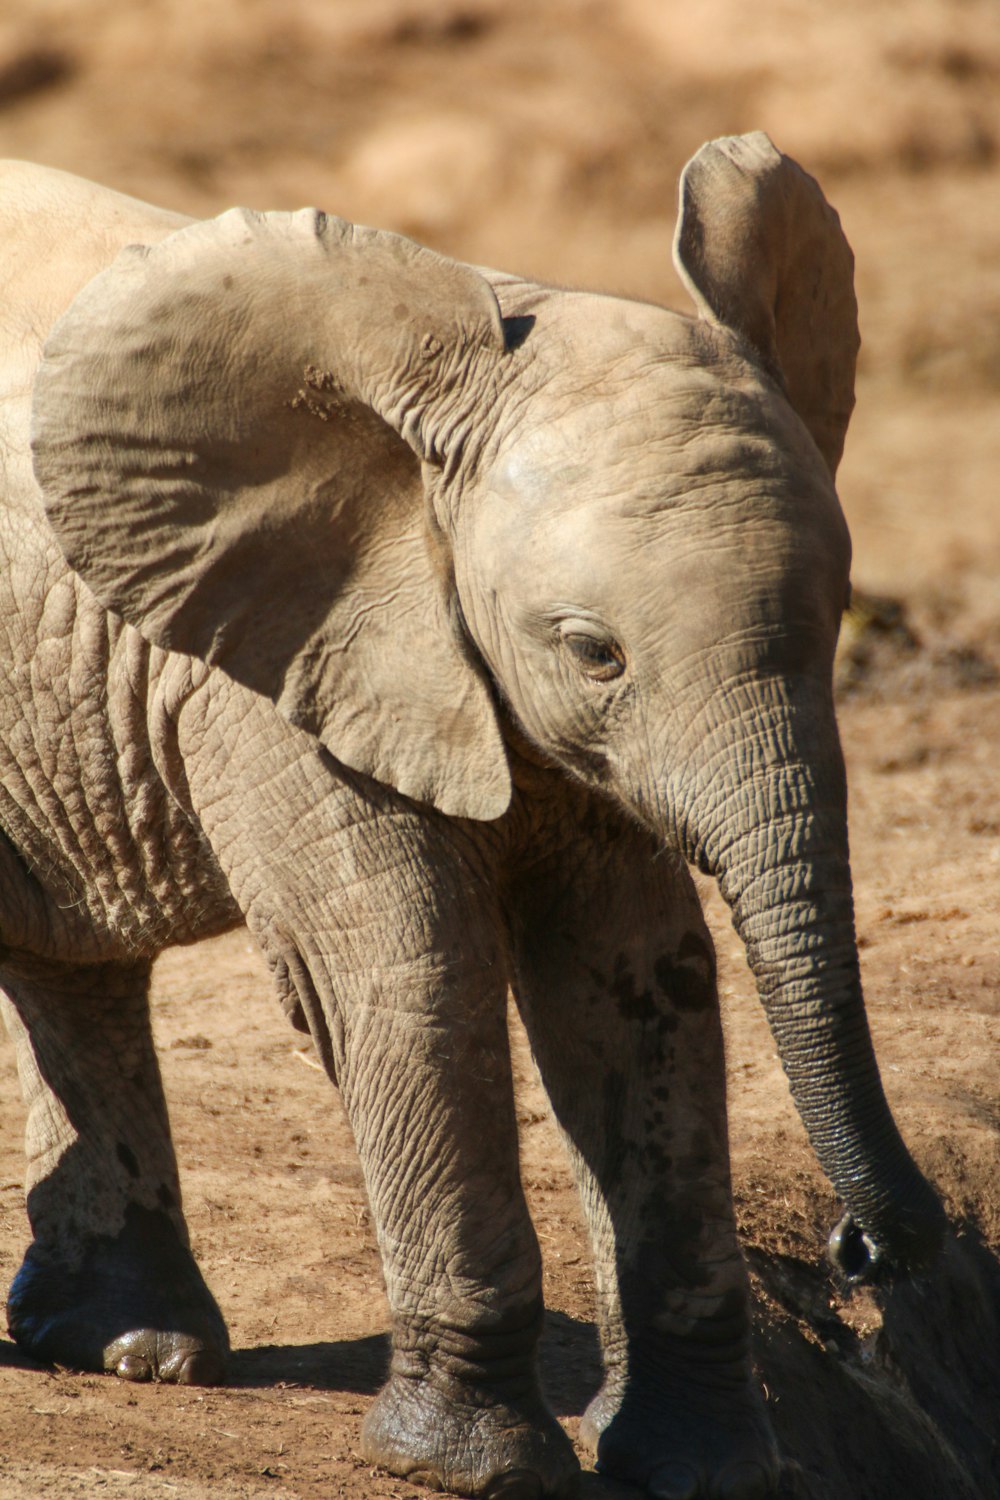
230 431
762 253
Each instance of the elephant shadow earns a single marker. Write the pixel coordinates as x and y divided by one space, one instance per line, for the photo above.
570 1363
907 1409
357 1365
12 1357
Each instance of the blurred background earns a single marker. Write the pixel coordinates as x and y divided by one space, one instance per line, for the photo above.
546 136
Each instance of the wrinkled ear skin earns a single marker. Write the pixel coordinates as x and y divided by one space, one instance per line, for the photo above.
763 254
229 431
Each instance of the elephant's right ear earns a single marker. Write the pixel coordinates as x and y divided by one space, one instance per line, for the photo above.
762 252
230 430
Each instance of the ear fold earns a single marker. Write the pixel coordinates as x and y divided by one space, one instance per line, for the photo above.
762 252
228 432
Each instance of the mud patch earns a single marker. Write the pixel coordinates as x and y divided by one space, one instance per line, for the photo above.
908 1373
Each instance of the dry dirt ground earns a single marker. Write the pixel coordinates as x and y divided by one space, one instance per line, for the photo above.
546 136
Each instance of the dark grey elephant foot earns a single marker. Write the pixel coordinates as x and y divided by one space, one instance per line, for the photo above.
512 1449
134 1304
699 1444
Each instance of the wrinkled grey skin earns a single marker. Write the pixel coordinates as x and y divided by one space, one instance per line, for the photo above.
427 620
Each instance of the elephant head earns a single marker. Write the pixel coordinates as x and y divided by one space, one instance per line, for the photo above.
410 502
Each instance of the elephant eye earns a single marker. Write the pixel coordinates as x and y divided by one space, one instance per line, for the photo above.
597 656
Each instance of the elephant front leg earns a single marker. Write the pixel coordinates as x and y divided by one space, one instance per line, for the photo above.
109 1282
426 1080
618 994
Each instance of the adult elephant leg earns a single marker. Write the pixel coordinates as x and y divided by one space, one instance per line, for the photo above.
617 990
109 1282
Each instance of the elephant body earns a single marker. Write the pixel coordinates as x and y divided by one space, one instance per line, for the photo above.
97 896
428 620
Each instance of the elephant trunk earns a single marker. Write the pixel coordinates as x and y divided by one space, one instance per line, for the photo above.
769 820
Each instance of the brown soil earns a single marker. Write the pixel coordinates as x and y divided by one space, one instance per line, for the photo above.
546 135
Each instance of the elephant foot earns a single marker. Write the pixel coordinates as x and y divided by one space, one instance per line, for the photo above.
702 1442
134 1303
468 1442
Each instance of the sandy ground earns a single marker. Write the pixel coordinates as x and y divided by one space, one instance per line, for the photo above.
547 137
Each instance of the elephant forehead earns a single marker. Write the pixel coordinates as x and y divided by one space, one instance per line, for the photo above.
692 476
669 433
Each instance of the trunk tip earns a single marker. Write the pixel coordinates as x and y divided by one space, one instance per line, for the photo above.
861 1258
854 1254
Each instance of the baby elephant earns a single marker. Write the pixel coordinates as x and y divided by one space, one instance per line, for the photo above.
427 620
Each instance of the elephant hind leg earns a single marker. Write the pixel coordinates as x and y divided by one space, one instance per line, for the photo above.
109 1282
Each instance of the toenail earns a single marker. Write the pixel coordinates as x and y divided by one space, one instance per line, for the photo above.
674 1482
746 1481
134 1367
